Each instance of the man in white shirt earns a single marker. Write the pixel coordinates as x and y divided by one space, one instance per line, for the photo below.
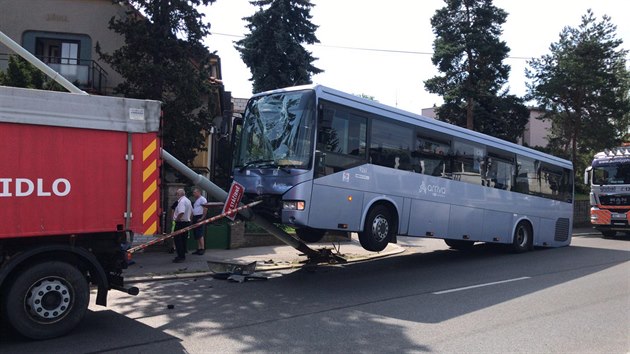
182 216
199 213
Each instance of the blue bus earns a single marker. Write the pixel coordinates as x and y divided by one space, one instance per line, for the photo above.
322 160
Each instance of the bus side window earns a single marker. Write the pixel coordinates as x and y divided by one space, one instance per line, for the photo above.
527 176
468 160
390 145
430 156
342 138
499 171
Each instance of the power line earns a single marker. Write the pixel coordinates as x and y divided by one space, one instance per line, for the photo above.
395 51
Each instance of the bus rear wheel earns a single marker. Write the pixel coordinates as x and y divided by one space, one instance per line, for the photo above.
378 229
310 235
46 300
523 238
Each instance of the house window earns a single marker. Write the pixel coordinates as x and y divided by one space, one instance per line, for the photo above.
57 51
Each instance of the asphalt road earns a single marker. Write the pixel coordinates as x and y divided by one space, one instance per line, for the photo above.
430 299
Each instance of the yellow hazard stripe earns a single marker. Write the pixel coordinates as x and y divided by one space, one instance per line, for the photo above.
149 170
149 176
149 149
151 229
149 212
149 191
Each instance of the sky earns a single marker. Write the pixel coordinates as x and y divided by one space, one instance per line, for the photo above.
394 28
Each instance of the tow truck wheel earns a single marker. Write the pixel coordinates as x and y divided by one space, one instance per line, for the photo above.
310 235
378 229
609 234
46 300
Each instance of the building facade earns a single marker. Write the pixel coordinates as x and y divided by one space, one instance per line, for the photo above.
64 35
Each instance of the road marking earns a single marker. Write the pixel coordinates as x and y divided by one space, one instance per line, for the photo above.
478 286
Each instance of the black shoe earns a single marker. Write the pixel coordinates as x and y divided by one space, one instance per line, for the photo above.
178 260
199 252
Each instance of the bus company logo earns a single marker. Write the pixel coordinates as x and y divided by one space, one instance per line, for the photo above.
345 177
24 187
281 187
608 189
433 189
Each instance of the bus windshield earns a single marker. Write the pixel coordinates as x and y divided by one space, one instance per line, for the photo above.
278 131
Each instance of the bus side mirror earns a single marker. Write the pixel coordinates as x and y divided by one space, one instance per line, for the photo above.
587 175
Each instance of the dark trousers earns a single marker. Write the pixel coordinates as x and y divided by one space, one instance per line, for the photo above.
180 240
199 231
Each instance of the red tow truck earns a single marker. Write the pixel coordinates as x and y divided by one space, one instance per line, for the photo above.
78 175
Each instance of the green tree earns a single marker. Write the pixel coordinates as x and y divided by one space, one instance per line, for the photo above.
469 54
21 73
583 85
273 49
164 59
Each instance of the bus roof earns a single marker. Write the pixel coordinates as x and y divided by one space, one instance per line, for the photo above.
370 106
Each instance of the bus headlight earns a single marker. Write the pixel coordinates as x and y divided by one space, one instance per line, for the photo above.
293 205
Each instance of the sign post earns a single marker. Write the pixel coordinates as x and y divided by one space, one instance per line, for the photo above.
233 199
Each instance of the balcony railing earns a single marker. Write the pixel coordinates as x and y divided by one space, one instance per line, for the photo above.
86 74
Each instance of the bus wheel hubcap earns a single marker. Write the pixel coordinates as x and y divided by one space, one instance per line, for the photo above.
48 299
522 237
380 228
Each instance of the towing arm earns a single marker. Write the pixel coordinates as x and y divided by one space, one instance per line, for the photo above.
215 192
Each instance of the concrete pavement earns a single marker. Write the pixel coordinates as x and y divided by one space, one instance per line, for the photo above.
157 265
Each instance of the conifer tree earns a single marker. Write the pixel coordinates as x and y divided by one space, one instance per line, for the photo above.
273 49
164 59
584 86
469 54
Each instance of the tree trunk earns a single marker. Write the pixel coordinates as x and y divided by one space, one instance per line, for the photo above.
576 132
469 113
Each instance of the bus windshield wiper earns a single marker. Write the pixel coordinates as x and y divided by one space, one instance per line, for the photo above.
265 163
254 162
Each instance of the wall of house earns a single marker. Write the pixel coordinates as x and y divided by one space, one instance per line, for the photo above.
65 17
536 130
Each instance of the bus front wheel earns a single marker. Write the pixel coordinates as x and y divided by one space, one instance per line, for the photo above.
310 235
609 233
523 238
378 229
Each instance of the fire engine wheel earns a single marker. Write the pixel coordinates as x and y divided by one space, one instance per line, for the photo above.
46 300
310 235
378 229
523 238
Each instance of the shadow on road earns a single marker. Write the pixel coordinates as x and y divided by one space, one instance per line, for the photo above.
102 332
336 308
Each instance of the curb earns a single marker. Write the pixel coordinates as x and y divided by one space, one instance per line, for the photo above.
259 267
